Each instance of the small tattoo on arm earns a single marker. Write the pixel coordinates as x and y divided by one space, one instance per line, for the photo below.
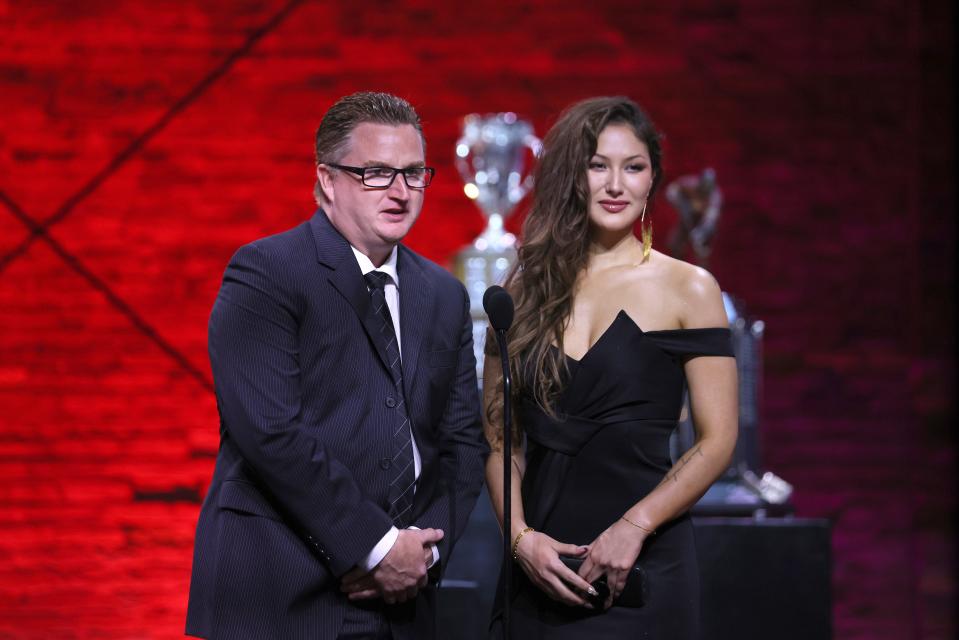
673 474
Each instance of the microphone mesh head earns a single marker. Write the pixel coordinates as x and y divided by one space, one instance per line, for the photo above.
498 304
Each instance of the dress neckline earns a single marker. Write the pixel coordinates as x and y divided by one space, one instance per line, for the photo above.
622 314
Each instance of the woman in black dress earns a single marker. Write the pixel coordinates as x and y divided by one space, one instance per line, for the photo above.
608 335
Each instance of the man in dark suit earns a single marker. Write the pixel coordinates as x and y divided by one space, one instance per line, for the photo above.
351 450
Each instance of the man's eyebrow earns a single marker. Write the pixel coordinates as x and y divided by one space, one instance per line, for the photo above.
419 164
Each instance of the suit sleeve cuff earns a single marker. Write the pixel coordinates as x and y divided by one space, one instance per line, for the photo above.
379 551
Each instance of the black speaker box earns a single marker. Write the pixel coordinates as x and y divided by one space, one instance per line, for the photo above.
765 578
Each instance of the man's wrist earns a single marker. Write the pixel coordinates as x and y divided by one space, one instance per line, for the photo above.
379 551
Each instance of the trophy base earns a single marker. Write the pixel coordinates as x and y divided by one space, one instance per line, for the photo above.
733 500
480 269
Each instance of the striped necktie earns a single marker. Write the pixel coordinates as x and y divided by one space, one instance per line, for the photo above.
401 463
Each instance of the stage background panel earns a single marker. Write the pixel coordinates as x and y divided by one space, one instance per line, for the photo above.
142 143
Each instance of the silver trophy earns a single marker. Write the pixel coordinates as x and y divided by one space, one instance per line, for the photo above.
698 201
492 157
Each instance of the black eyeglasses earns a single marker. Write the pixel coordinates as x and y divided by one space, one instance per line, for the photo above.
383 177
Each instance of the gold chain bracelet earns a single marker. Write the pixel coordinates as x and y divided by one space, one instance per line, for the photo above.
639 526
519 536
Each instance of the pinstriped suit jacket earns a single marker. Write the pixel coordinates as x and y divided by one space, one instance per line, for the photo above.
299 492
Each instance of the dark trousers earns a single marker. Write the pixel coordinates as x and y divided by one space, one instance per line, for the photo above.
361 624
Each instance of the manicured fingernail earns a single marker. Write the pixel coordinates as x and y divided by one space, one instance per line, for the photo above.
593 592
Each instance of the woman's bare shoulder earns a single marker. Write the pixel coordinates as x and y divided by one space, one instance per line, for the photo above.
699 298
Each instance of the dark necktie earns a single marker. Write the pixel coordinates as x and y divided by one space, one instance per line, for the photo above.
401 464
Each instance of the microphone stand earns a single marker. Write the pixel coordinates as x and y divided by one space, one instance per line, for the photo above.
507 480
498 305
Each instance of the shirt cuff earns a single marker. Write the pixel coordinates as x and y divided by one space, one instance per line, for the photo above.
380 550
433 548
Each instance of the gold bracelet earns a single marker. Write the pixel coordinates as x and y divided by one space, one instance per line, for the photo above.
519 536
639 526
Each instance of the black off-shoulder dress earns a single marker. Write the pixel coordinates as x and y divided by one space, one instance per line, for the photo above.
610 448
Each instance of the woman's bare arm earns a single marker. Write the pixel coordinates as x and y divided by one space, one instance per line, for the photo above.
713 394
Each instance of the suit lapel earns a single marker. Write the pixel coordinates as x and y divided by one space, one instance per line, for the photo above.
333 251
416 309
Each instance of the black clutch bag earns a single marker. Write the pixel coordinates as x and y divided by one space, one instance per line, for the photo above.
634 594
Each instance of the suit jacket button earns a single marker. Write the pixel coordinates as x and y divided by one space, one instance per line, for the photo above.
390 401
385 463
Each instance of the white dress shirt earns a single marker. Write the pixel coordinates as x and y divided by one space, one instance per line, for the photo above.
392 294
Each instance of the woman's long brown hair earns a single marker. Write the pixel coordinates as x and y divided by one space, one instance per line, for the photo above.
555 241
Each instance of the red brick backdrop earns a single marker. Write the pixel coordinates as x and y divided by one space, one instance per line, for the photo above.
141 143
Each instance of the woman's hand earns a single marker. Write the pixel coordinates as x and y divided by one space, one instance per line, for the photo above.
613 554
538 555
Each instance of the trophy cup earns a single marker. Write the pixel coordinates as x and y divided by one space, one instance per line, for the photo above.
491 157
698 202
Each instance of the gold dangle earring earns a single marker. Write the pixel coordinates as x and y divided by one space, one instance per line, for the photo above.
646 233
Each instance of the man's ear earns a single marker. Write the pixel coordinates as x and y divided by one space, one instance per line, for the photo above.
325 177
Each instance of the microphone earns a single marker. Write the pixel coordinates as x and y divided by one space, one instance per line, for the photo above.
498 304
